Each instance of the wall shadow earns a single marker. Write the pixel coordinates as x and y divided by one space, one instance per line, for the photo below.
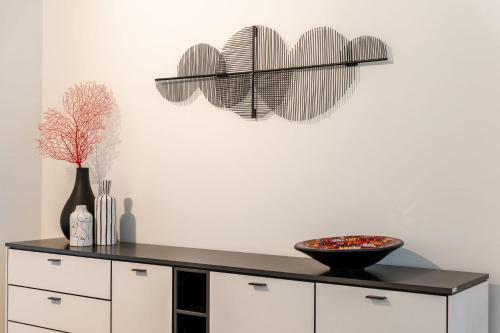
128 224
405 257
102 158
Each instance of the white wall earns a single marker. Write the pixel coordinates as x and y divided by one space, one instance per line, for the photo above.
415 153
20 104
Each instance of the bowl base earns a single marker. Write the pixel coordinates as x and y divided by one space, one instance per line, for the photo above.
346 270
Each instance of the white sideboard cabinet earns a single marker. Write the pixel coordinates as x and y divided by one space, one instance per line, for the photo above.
140 288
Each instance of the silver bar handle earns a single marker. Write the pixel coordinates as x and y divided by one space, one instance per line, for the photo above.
376 298
54 260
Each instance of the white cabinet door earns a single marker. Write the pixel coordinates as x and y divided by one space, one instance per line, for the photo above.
354 310
142 298
57 311
248 304
65 274
20 328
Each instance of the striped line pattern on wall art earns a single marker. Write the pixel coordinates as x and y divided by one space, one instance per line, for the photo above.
256 75
105 217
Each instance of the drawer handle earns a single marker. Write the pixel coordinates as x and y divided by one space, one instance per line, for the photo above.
257 284
137 270
377 298
54 260
54 299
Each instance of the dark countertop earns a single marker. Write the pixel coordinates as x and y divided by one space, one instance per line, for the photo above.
416 280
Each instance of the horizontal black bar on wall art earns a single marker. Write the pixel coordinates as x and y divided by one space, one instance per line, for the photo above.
297 68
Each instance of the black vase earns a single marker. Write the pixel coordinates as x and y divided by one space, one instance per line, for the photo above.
82 195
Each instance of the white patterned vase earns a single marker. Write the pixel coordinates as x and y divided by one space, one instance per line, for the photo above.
105 217
81 223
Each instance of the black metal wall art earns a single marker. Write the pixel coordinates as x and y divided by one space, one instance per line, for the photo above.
255 75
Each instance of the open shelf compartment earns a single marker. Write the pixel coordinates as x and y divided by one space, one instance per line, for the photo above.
191 295
190 324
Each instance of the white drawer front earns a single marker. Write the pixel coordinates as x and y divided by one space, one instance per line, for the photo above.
73 314
142 298
67 274
279 306
20 328
348 310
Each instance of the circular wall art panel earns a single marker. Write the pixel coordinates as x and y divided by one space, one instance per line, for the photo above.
255 75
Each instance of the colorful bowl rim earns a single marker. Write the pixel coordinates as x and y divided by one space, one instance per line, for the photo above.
397 244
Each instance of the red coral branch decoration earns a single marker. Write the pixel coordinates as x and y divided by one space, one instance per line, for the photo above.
71 136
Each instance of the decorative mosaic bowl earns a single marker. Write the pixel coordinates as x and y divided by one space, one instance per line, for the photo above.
349 253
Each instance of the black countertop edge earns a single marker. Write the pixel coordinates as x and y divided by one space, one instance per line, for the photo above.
305 277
